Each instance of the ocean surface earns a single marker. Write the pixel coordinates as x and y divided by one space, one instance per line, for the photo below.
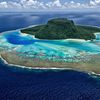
25 84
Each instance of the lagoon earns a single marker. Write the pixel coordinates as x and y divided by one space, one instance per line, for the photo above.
24 49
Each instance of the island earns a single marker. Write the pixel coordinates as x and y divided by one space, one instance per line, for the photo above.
62 28
59 44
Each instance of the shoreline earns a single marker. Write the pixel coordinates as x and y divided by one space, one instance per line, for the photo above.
90 72
93 74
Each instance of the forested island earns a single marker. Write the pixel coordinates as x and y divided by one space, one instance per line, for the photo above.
62 28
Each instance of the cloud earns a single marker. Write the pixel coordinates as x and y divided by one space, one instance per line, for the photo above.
3 5
95 3
32 4
72 4
54 4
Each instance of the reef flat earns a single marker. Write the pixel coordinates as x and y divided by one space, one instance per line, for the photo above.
89 66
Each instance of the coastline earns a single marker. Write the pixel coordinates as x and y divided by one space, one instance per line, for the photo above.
78 67
93 74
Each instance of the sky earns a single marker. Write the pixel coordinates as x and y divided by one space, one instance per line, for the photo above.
48 4
62 1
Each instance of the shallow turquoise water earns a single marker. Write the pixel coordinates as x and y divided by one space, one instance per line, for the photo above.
48 49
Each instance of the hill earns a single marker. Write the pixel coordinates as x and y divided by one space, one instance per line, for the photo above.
62 28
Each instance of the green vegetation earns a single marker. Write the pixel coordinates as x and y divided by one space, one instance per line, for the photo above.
62 28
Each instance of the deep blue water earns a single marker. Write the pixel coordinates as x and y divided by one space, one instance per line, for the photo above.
9 21
24 84
19 84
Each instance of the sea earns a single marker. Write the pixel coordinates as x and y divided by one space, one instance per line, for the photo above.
18 83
